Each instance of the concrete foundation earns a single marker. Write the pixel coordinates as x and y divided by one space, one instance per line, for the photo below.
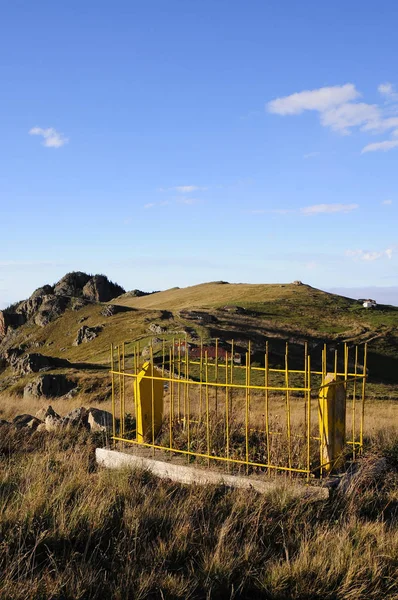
113 459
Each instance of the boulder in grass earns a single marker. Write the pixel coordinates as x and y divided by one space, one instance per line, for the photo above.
53 423
22 420
45 412
86 334
49 386
4 422
34 423
99 420
77 417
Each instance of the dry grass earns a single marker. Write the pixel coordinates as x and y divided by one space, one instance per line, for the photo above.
69 530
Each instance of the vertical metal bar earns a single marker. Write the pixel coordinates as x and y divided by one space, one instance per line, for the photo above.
232 360
186 382
152 401
135 387
232 373
308 417
120 391
207 407
354 399
216 378
305 385
178 381
321 407
362 423
226 407
201 380
288 419
266 375
171 391
113 395
188 402
124 385
247 412
249 350
163 356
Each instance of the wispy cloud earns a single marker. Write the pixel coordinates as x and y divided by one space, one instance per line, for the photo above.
51 137
387 90
339 109
182 189
153 204
188 201
369 256
311 155
380 146
317 209
276 211
187 189
386 202
321 100
314 209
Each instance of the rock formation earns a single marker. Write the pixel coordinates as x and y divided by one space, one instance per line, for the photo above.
86 334
49 386
48 302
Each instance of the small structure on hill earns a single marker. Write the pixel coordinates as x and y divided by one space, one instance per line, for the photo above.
369 303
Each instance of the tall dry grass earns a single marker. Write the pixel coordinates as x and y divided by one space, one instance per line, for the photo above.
70 530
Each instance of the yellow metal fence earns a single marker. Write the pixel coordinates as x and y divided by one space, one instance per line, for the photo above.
217 407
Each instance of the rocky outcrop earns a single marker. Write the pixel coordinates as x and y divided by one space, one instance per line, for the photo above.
113 309
45 412
86 334
155 328
10 320
100 289
23 420
99 420
49 386
32 363
78 417
47 419
51 308
47 303
53 423
71 284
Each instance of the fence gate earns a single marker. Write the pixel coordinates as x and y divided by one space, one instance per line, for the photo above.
216 406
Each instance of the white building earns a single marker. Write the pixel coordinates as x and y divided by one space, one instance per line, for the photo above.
369 303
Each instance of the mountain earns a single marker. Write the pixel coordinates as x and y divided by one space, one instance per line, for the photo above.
69 327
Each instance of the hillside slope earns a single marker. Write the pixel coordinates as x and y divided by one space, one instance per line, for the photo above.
243 312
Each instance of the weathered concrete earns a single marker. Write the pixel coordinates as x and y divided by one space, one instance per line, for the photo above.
113 459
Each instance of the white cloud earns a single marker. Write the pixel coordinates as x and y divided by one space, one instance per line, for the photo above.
340 118
380 125
188 200
387 202
339 109
380 146
311 155
186 189
387 90
317 209
320 99
51 137
367 256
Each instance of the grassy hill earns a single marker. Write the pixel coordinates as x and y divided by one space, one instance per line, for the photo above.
255 312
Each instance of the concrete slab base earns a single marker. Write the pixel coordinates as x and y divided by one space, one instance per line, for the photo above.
113 459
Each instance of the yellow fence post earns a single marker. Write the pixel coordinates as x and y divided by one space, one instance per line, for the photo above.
149 401
332 420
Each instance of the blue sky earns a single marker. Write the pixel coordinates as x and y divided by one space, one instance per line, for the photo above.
173 142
